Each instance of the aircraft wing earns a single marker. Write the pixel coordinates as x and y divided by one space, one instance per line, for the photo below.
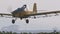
45 13
5 14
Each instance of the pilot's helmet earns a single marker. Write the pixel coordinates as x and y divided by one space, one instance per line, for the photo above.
25 5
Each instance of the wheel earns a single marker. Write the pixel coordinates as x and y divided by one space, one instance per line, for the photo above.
34 17
27 21
13 21
21 18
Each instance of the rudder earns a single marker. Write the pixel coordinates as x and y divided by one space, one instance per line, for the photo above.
34 8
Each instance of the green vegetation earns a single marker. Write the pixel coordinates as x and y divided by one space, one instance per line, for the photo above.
29 33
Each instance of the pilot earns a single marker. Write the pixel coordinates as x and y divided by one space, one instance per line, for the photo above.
25 6
20 9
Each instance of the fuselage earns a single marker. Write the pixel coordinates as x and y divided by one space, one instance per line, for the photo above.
22 13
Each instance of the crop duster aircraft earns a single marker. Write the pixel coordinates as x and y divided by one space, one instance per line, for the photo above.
22 13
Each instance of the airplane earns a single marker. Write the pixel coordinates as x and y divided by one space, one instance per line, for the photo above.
22 13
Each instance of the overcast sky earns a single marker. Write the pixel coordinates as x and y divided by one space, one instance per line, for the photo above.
46 23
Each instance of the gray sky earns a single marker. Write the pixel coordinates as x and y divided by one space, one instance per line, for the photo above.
46 23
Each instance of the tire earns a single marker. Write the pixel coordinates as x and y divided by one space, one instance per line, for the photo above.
13 21
21 18
27 21
34 17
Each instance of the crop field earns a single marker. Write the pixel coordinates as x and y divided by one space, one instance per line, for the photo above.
29 33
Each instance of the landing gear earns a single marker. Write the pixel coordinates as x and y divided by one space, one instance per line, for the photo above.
21 18
27 21
13 21
34 17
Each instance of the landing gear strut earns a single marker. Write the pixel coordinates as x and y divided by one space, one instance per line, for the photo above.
27 21
13 21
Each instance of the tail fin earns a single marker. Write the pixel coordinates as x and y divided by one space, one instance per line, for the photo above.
34 8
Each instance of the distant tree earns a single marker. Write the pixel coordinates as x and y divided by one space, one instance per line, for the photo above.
50 33
45 33
7 33
21 33
38 33
10 32
30 33
57 32
25 33
14 33
41 32
1 32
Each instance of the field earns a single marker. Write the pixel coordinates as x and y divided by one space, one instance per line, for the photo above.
29 33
